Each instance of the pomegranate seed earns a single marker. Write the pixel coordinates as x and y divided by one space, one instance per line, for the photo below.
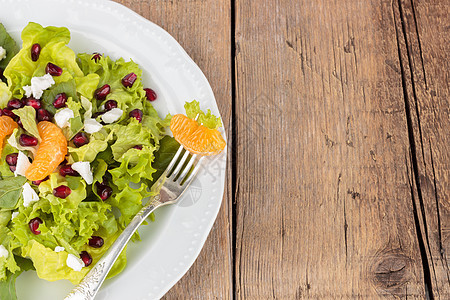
139 147
35 51
80 139
11 159
38 182
150 94
12 168
62 191
53 69
104 191
86 258
34 103
96 242
101 93
9 113
60 100
137 114
34 225
67 170
110 104
27 140
14 104
96 56
1 112
43 115
129 80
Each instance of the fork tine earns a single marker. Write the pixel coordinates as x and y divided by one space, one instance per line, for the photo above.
194 172
174 160
187 169
180 165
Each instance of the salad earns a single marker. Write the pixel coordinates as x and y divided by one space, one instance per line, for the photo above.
80 148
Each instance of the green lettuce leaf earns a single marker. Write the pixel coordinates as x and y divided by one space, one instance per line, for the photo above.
209 120
5 95
27 115
7 42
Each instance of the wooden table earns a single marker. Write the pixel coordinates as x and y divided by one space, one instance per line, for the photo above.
337 114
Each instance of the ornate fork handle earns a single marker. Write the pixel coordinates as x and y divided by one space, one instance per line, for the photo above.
89 286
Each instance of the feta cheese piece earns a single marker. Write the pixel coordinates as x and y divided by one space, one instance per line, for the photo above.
63 116
38 86
112 115
84 169
22 164
92 126
2 53
59 249
14 215
29 195
3 252
75 263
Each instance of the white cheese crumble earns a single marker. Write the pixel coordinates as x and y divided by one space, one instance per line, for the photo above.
38 86
59 249
29 195
112 115
74 263
2 53
3 252
84 169
63 116
22 164
92 126
14 215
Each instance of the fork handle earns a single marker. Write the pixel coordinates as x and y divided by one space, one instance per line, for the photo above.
89 286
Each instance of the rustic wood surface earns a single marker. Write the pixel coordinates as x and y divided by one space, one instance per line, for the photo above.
337 114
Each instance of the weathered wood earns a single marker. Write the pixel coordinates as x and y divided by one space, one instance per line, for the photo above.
424 39
203 29
324 197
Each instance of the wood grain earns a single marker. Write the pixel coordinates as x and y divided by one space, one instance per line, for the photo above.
324 201
203 29
424 38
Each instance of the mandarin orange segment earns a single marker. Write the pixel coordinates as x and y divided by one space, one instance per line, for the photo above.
51 152
7 126
196 138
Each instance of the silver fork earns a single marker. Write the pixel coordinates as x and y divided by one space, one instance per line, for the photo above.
172 183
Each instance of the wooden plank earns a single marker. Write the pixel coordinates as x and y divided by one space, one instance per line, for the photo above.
324 196
425 43
203 29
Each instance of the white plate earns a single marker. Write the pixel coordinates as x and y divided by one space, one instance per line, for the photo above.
171 244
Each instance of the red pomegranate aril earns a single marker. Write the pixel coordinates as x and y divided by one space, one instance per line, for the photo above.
27 140
62 191
53 69
104 191
9 113
34 103
96 242
12 168
60 100
129 80
137 114
14 104
38 182
138 147
11 159
110 104
43 115
96 57
150 94
35 51
80 139
34 225
86 258
101 93
67 170
1 112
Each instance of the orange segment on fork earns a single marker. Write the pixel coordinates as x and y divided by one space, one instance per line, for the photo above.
7 126
196 138
51 151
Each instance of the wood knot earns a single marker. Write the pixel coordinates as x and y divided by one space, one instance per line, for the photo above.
391 270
